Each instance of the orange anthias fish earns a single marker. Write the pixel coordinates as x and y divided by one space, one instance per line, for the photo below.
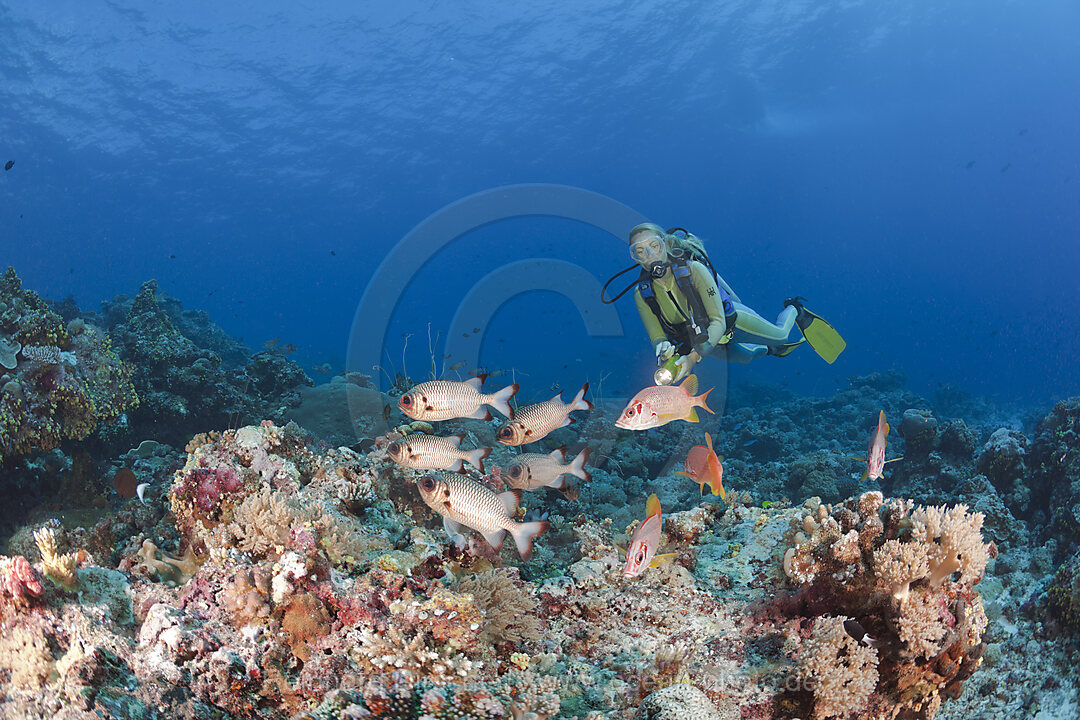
875 453
660 404
643 543
704 466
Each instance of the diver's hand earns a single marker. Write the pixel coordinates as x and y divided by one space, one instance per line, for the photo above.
686 365
664 351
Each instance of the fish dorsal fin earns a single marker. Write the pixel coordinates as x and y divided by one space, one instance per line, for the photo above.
558 455
510 500
652 506
690 385
477 382
455 440
558 397
882 424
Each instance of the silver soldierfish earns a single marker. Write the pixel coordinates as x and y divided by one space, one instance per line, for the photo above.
533 422
466 503
421 451
446 399
661 404
530 471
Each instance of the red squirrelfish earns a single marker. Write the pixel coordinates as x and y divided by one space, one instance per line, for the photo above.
705 467
465 503
533 422
875 453
446 399
658 405
427 452
643 543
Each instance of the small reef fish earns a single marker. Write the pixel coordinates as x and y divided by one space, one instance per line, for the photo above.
704 466
446 399
421 451
660 404
875 453
535 421
530 471
466 503
641 553
855 629
9 164
140 491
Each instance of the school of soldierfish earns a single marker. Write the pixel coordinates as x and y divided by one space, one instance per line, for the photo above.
467 505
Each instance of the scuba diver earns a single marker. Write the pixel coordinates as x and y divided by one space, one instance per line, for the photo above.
690 312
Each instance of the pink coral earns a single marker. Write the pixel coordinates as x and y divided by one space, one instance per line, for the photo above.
19 580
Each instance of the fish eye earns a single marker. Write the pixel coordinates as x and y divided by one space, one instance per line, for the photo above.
406 400
428 483
629 412
394 449
506 432
515 471
641 555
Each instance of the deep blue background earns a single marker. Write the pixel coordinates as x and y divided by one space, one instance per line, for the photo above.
911 169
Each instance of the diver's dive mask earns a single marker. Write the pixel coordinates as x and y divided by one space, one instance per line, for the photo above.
650 252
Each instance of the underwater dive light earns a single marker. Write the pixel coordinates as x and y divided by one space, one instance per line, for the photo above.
665 374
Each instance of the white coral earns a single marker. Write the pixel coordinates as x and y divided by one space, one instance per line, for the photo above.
841 671
953 541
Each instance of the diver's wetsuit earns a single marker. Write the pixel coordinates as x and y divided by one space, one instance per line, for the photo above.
753 333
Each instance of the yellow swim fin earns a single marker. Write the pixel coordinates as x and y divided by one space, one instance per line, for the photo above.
818 333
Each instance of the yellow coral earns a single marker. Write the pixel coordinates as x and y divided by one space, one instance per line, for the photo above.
61 569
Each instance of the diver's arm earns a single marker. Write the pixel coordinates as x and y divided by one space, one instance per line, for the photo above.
714 305
650 321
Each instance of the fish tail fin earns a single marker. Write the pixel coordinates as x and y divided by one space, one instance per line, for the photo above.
525 533
579 402
700 401
476 457
577 465
501 400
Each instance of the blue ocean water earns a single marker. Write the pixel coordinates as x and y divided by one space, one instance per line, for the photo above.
910 168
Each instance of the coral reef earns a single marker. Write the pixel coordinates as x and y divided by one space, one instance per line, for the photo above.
59 381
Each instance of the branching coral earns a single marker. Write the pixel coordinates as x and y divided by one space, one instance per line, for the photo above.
841 672
908 574
414 657
953 541
60 568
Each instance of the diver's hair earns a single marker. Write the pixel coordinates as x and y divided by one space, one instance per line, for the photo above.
691 246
